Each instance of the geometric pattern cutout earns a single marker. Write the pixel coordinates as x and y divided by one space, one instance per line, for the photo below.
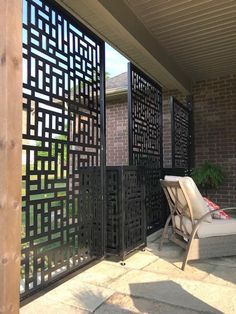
63 86
145 102
181 135
125 209
155 211
145 140
134 222
113 210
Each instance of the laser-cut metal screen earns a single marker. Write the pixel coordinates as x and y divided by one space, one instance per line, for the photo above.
126 221
63 116
181 135
145 120
145 139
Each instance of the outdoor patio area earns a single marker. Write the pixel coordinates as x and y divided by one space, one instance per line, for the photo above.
150 282
118 122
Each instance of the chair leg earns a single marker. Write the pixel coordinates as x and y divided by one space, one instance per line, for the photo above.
187 253
164 232
185 260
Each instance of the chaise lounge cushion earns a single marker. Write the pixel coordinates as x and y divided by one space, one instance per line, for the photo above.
189 193
172 178
194 198
216 229
181 197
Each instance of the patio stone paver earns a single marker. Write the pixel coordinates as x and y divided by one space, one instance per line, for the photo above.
171 251
225 276
101 274
80 294
121 303
150 282
223 261
47 305
139 260
193 294
173 268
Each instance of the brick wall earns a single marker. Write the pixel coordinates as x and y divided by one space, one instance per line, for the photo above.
215 131
117 130
117 134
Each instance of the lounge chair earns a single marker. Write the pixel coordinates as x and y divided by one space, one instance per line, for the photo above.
192 225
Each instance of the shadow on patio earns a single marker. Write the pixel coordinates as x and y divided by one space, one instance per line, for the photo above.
147 297
172 292
221 270
150 282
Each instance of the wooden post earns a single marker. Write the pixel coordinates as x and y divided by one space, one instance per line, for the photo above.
10 153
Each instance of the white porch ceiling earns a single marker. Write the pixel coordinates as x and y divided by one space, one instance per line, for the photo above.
174 41
199 35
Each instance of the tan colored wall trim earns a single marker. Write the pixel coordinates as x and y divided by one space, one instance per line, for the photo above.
117 96
10 153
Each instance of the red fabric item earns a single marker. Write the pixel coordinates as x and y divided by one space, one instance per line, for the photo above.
216 215
211 204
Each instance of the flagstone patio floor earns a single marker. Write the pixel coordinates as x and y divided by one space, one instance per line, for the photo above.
150 282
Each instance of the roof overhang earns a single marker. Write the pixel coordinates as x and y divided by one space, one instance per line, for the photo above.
174 42
115 22
117 95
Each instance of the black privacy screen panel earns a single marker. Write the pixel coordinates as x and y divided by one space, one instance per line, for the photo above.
145 139
181 134
126 221
63 92
145 120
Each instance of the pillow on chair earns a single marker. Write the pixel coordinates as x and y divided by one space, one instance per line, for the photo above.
194 198
216 215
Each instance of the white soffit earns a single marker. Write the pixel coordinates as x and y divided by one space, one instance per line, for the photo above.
199 35
116 23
